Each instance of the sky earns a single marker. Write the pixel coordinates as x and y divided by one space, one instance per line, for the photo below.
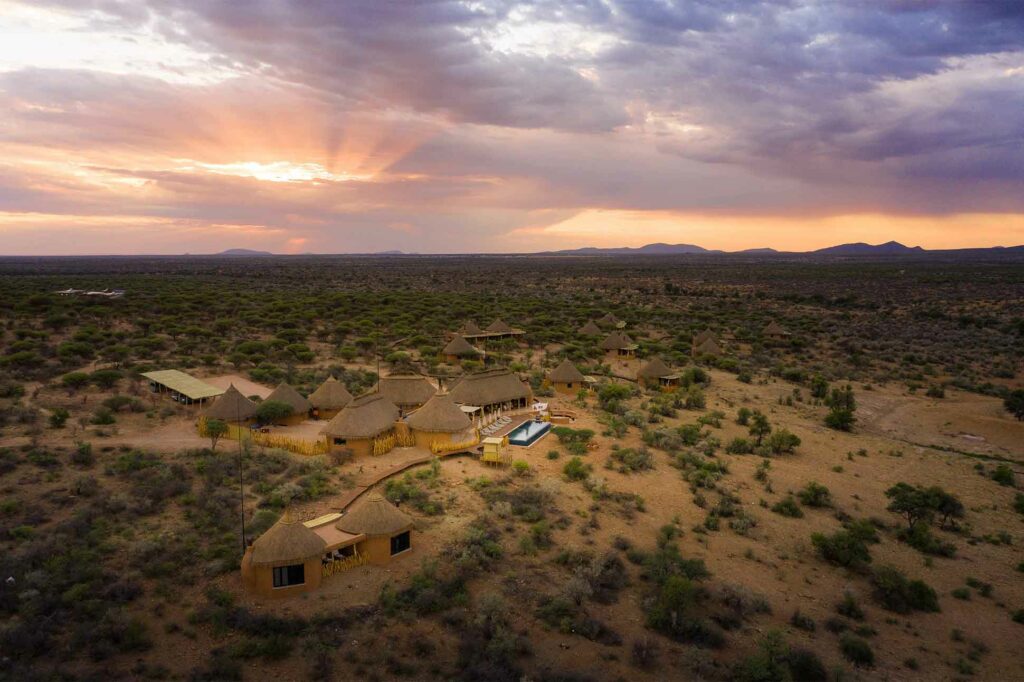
444 126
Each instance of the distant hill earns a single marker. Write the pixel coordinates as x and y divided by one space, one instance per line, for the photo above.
862 249
243 252
657 249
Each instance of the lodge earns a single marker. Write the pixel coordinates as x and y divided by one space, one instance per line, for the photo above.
619 343
232 407
406 391
492 393
566 378
329 398
459 349
656 374
496 330
441 424
301 408
363 427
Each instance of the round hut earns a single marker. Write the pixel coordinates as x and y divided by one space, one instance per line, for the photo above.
440 422
388 530
774 330
293 399
590 329
232 407
406 391
470 328
457 349
566 378
368 418
619 343
656 374
329 398
708 347
283 561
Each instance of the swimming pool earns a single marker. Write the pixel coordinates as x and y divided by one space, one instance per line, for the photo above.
528 432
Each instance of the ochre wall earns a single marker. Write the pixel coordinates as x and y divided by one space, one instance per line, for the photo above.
259 580
425 438
377 549
360 447
561 387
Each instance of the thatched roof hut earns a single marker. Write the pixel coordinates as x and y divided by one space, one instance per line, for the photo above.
489 388
566 373
331 395
608 320
470 328
440 414
232 406
702 336
406 390
367 416
287 542
709 347
774 329
375 516
590 329
654 369
499 327
459 347
617 340
289 396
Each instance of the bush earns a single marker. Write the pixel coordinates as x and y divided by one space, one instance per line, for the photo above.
58 417
783 441
576 470
802 622
739 446
82 454
895 592
273 412
629 459
843 548
815 494
850 608
857 651
1003 475
788 507
921 538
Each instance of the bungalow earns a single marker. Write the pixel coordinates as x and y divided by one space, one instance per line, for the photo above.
590 329
232 407
459 349
293 399
329 398
492 391
363 427
406 391
441 424
566 378
619 343
657 374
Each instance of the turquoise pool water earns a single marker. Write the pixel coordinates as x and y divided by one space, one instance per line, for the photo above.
527 433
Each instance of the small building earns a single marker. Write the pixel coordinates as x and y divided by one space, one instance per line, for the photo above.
284 561
609 320
232 407
459 349
707 347
329 398
619 343
499 329
387 530
566 378
590 329
657 374
363 427
492 391
293 399
470 329
495 450
774 330
440 424
406 391
181 387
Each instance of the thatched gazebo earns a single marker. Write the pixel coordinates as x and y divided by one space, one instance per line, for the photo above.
232 407
293 399
283 561
406 391
440 422
329 398
457 349
388 530
657 373
566 378
358 424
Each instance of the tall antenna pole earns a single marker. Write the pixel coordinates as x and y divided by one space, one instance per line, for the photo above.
241 489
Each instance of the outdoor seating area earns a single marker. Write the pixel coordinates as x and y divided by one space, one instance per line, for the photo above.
499 424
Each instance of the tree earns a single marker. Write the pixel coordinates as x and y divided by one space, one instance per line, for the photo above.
74 381
759 426
1014 403
215 429
946 505
914 504
840 419
819 387
273 412
783 441
105 378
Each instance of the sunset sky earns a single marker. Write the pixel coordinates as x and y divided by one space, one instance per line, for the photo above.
332 126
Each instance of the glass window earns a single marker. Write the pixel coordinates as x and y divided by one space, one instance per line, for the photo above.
286 576
400 543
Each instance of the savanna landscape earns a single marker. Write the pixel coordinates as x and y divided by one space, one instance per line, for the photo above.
833 491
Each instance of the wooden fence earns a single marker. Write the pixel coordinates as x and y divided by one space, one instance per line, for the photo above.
269 440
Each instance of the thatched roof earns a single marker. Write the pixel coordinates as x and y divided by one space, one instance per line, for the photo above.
709 347
232 406
774 329
458 346
609 320
566 373
375 516
332 395
590 329
287 542
703 336
407 389
499 327
616 340
440 414
369 415
469 328
488 388
654 369
289 396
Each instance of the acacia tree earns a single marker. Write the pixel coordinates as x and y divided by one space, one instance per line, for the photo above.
912 503
273 411
215 429
759 426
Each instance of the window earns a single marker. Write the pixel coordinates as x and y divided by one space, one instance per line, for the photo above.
339 441
400 543
569 385
286 576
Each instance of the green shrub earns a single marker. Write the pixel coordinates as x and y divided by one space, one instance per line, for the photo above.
857 651
815 494
1003 475
843 548
849 607
788 507
895 592
576 470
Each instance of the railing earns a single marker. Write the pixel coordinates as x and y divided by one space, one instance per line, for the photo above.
440 447
340 565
